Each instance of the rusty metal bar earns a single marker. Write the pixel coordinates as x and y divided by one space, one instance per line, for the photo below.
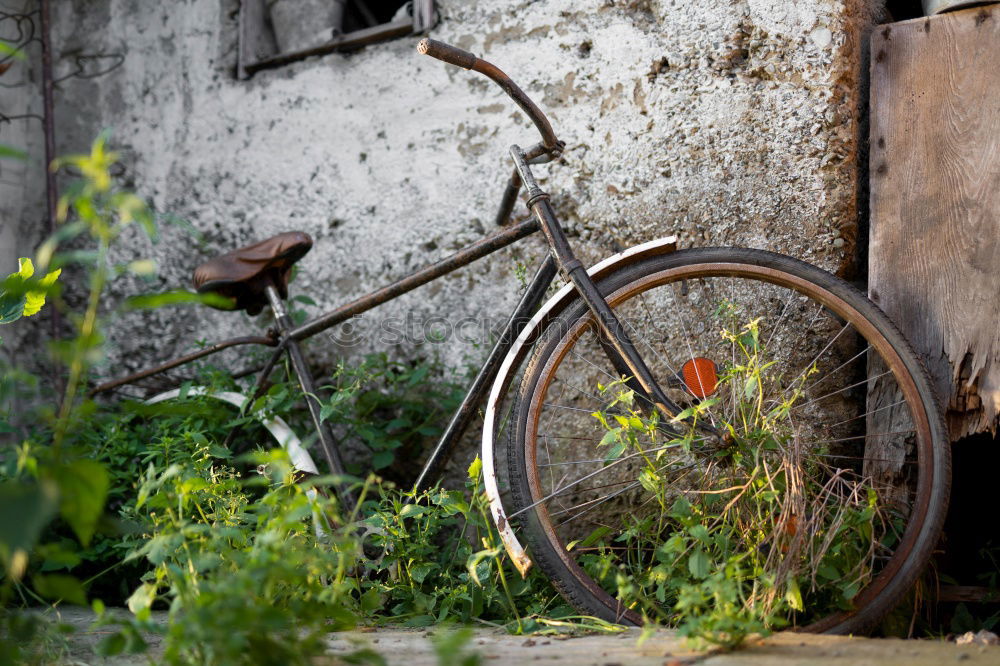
352 40
477 250
509 199
163 367
48 125
48 107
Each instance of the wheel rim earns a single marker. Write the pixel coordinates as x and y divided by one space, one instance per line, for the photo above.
827 300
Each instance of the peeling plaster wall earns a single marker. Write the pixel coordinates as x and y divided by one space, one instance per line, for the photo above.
725 122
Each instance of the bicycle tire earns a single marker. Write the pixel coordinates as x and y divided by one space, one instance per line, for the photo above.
912 514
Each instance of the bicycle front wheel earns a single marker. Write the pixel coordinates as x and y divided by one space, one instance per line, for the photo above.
802 479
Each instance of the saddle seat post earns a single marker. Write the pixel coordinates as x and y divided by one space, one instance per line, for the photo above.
326 439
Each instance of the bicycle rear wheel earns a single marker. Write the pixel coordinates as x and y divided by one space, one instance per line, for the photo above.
809 469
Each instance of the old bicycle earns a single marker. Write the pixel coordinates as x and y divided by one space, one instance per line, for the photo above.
663 407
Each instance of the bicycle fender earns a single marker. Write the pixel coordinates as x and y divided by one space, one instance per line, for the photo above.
275 425
513 360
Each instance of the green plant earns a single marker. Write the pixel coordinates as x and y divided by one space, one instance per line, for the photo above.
23 294
248 577
439 558
46 477
395 408
773 534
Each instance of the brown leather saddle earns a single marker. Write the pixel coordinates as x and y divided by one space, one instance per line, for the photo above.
243 274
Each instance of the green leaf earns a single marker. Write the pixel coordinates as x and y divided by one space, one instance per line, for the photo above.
413 510
610 437
142 598
193 484
684 414
472 563
750 387
111 645
25 509
83 489
698 564
453 502
476 468
11 307
60 587
420 572
371 600
11 51
699 532
418 375
649 480
595 536
13 153
420 621
828 572
382 459
34 299
676 544
616 451
25 269
178 297
794 595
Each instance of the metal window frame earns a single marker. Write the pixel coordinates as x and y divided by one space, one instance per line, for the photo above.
258 48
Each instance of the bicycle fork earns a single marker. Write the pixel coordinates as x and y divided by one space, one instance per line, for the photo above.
614 338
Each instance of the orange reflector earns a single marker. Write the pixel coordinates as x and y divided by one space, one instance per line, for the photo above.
699 377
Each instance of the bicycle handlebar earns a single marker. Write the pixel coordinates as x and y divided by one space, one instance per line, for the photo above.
456 56
447 53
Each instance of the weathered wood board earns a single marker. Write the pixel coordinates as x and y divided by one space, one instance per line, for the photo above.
934 259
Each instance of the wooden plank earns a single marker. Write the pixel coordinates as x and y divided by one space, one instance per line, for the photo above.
934 259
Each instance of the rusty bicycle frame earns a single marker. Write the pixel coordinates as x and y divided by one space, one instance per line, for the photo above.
285 337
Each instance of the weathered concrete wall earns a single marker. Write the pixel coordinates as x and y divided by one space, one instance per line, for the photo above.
725 122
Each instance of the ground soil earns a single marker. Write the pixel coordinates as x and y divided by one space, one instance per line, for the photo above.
413 647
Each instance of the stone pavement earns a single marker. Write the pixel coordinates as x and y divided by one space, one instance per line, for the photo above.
413 647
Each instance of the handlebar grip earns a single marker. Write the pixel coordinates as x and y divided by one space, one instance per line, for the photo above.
447 53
